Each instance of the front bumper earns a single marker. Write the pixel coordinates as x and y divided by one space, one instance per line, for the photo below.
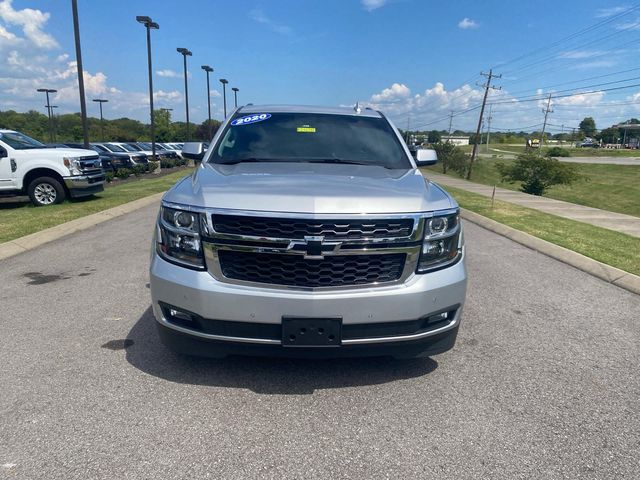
84 185
370 312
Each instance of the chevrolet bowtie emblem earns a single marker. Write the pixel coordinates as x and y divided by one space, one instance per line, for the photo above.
313 247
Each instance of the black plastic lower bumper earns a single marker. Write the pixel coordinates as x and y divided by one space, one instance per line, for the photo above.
85 191
187 344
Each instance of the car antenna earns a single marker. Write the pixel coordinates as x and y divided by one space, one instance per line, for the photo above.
357 108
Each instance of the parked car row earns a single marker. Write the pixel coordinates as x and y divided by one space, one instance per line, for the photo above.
116 155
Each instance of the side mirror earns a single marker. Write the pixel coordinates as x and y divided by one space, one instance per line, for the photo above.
425 157
193 150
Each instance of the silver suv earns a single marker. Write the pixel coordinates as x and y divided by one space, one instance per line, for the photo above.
308 231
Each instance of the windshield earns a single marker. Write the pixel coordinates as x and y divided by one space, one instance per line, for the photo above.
146 146
20 141
114 148
100 148
311 137
128 148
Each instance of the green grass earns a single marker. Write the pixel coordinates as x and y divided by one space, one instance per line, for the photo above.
606 246
574 152
19 219
609 187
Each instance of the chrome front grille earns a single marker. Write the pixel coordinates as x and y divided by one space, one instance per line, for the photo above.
314 252
297 228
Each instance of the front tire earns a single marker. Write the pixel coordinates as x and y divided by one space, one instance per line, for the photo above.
46 191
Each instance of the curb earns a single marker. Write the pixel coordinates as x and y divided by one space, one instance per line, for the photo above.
29 242
609 274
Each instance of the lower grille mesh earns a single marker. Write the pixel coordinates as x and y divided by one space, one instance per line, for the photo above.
294 270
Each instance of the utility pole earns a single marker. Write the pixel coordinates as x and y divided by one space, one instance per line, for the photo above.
185 52
562 135
486 86
546 112
55 123
208 70
83 104
450 122
224 82
489 125
47 91
101 101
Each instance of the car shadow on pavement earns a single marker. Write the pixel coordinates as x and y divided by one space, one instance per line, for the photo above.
264 375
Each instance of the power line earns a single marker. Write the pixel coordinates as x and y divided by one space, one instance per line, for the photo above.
569 37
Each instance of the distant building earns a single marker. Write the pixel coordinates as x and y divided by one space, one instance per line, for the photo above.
455 139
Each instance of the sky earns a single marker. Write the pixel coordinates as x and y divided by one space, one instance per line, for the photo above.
416 60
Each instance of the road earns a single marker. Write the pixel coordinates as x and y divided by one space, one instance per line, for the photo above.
543 382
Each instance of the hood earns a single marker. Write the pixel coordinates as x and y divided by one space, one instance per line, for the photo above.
309 188
66 152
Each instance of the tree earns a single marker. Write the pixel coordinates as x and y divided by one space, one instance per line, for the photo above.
537 173
451 157
588 126
434 136
205 132
609 135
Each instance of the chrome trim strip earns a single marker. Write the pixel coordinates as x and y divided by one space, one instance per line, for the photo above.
401 338
222 338
353 341
365 250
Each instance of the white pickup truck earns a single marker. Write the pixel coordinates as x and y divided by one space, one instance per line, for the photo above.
47 175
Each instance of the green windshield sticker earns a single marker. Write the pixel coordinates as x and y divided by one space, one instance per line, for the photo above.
306 129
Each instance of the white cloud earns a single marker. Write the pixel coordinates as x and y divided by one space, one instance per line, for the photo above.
595 64
581 99
168 73
31 21
172 96
397 91
610 12
370 5
215 93
258 15
577 54
467 23
629 25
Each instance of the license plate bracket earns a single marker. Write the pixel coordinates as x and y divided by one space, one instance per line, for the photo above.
311 332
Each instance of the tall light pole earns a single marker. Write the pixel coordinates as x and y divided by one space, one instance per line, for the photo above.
235 95
224 82
47 91
55 124
83 105
185 53
208 69
100 102
149 25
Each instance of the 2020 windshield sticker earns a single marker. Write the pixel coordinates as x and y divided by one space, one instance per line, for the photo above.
258 117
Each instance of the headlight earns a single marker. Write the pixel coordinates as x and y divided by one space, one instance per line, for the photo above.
178 237
73 165
442 245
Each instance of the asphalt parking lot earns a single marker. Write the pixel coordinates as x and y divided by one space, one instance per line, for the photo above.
543 382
